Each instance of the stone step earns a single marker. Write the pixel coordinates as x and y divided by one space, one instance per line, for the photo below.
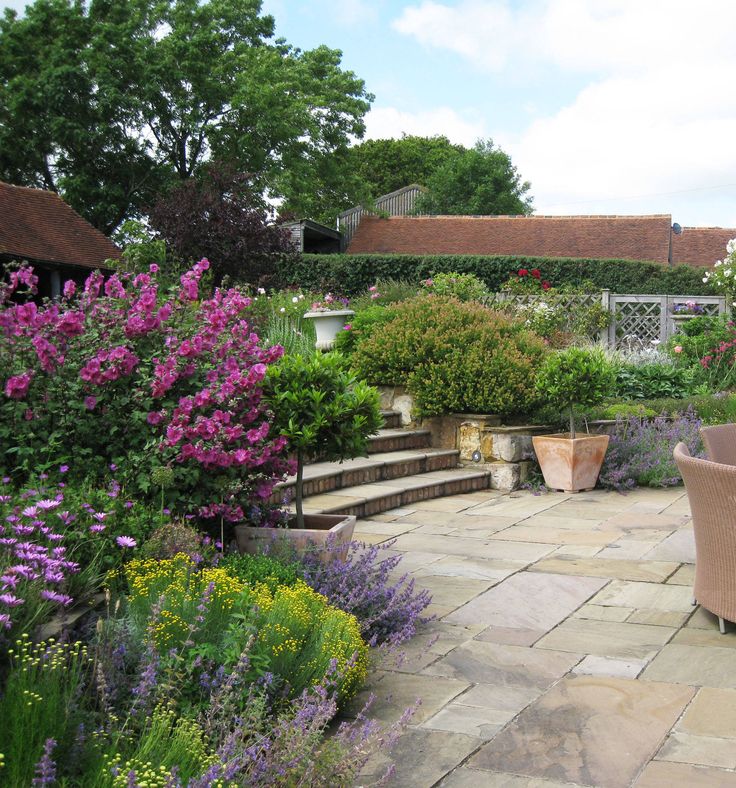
365 500
391 419
398 440
322 477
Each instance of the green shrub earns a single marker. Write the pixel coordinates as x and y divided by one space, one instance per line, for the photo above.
452 356
355 273
575 376
384 292
260 569
465 287
361 325
652 381
322 410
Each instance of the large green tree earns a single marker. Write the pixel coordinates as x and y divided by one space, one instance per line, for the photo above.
111 102
389 164
480 181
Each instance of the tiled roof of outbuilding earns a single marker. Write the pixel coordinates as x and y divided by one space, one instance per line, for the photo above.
38 225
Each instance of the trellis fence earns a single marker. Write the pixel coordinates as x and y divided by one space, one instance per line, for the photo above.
636 321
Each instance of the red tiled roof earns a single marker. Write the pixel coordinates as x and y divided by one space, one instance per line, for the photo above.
701 246
38 225
596 237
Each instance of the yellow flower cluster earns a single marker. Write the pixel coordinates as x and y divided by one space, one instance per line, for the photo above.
47 655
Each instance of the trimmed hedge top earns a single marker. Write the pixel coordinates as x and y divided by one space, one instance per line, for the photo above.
352 274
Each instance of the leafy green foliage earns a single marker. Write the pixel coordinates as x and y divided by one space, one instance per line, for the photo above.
652 381
464 287
480 181
322 409
384 292
361 325
624 410
452 356
575 376
387 165
355 273
110 102
260 569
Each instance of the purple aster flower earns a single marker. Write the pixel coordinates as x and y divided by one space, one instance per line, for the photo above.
97 528
47 505
126 541
11 600
5 621
30 511
66 517
53 596
63 468
100 516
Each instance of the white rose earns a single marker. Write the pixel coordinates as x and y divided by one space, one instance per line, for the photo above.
294 300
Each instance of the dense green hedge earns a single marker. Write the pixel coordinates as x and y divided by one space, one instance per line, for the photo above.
352 274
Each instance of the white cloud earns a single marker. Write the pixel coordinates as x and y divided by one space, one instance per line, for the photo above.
389 122
657 118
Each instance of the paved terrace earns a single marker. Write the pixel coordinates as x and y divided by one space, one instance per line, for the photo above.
565 649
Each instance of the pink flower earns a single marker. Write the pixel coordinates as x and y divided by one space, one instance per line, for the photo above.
16 387
678 348
154 418
153 268
69 288
347 327
126 541
90 402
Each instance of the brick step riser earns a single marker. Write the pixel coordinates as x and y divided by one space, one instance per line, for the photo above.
379 473
406 497
381 444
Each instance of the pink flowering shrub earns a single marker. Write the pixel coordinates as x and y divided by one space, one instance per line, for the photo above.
124 373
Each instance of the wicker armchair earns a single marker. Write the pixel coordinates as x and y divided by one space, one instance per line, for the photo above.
711 489
720 443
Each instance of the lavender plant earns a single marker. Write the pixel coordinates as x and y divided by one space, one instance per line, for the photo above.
640 450
388 611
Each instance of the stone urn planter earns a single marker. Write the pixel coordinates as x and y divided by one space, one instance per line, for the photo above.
318 531
570 464
328 324
678 321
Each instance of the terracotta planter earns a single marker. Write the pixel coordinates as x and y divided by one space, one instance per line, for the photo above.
328 325
568 464
319 528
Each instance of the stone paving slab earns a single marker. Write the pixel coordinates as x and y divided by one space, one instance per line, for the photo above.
702 667
528 601
648 571
422 757
587 730
659 774
466 777
607 639
507 666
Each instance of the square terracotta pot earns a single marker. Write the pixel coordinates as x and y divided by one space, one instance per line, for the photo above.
570 464
314 536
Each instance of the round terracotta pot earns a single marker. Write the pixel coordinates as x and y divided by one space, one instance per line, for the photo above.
570 464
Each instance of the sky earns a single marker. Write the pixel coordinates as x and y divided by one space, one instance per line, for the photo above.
605 106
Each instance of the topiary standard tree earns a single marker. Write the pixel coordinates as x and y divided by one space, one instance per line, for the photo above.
575 376
324 412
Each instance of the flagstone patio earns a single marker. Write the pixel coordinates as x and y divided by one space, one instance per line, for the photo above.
565 650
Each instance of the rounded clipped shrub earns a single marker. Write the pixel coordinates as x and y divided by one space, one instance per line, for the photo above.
453 357
360 325
575 376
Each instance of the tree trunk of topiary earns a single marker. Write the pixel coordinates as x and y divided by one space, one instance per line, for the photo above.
299 489
572 422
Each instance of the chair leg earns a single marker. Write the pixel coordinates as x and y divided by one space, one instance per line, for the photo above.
722 625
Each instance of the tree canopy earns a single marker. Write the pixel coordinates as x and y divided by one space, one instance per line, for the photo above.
220 215
479 181
111 102
389 164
